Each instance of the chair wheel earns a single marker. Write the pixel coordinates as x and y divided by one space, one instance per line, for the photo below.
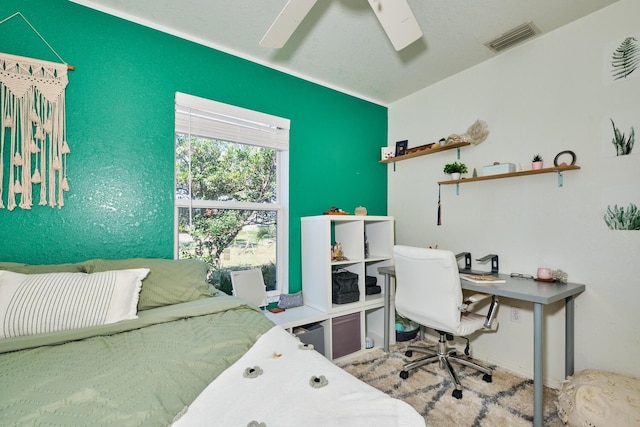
457 394
486 378
408 353
404 375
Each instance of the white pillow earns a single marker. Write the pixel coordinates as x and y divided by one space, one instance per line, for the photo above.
41 303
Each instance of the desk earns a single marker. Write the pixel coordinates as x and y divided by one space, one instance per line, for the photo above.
538 293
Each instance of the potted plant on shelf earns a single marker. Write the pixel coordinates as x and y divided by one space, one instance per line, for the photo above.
455 169
536 162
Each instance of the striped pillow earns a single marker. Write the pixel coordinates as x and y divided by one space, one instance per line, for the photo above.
41 303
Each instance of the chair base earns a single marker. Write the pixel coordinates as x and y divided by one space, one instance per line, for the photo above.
444 356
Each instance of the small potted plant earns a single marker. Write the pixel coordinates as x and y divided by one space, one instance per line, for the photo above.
455 169
536 163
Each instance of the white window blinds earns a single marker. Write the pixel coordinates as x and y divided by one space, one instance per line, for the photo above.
211 119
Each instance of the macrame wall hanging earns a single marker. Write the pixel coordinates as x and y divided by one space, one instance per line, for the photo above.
33 130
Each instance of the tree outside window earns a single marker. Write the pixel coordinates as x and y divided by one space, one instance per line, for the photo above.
227 207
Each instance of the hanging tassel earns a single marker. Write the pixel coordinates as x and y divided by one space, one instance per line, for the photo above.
33 116
439 207
64 184
65 148
17 159
48 126
8 122
36 178
56 164
39 133
17 187
33 147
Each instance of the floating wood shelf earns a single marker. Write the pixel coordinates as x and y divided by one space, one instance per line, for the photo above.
425 151
558 169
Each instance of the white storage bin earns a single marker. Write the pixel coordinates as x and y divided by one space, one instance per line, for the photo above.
498 169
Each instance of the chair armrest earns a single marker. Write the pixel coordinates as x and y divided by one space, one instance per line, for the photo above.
470 301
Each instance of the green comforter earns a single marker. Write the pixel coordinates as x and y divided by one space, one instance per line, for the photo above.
141 372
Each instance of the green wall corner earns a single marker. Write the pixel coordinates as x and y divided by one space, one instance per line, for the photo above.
120 115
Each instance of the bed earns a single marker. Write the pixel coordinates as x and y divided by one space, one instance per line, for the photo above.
179 353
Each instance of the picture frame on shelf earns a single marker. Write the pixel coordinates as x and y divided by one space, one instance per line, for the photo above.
401 147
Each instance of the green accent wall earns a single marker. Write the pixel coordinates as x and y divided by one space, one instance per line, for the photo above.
120 121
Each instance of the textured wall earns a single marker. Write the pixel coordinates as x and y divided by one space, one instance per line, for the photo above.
544 96
120 107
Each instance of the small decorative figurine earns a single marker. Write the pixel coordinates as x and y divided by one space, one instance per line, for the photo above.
337 254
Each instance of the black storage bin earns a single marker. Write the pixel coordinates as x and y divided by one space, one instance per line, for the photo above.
370 285
344 287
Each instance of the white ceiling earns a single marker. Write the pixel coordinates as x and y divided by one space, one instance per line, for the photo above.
340 43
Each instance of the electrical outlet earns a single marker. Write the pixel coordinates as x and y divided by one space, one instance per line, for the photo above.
515 315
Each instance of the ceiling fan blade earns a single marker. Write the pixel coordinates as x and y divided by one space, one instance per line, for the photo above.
398 21
286 23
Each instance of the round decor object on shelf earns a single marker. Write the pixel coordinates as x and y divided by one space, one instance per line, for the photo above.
361 210
567 152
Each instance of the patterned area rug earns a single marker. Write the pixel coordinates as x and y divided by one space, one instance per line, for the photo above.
506 401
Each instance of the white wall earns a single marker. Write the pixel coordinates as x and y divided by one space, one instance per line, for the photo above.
545 96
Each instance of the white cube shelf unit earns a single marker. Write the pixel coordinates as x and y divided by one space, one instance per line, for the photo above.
319 233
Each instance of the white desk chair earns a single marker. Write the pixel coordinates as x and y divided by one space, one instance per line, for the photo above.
428 291
249 285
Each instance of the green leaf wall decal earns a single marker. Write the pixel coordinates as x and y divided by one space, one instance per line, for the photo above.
623 145
619 218
626 58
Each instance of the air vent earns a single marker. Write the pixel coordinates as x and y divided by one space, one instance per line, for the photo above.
513 37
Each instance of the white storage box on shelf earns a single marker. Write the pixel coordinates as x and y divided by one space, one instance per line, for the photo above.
498 169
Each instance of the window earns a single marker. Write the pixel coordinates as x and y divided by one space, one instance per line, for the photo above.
231 183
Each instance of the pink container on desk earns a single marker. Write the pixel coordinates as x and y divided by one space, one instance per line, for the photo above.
544 273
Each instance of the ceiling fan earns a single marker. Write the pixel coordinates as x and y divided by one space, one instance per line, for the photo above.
395 16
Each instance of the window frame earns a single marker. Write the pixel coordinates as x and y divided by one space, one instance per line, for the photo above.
234 124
